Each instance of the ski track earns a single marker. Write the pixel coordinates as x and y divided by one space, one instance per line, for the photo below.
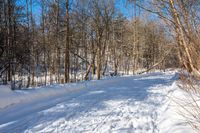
120 105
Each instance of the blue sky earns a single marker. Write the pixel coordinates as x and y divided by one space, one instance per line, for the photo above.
121 5
124 8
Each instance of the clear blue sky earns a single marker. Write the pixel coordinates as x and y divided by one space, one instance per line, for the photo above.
125 8
121 5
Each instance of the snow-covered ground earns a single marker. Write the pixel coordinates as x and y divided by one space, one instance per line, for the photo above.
128 104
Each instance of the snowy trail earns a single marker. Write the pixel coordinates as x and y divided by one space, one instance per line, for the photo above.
123 104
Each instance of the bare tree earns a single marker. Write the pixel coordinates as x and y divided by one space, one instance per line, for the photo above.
67 46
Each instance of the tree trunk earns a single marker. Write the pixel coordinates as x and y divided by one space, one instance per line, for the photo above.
67 56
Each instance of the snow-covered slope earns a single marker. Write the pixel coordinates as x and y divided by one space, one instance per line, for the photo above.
131 104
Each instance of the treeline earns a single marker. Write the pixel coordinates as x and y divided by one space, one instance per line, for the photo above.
61 41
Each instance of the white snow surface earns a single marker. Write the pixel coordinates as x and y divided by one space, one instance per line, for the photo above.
129 104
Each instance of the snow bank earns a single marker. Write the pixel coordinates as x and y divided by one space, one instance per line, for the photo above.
171 120
10 98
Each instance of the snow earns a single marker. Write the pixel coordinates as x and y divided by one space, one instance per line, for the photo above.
128 104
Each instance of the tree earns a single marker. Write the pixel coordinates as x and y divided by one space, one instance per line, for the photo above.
67 46
182 18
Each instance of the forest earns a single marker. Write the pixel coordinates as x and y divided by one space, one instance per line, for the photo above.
57 41
99 66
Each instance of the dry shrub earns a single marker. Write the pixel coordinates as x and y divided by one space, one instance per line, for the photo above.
190 103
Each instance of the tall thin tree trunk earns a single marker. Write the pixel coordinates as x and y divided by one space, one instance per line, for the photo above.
28 41
9 31
32 46
67 56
